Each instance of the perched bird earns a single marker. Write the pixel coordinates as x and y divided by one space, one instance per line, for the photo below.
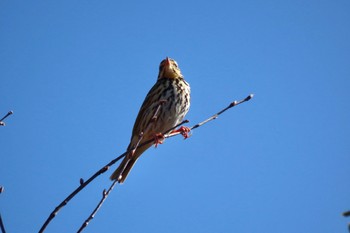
171 96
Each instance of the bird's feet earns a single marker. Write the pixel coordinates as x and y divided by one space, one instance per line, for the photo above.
183 130
158 139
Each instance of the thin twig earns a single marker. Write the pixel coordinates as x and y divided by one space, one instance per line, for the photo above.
2 227
233 104
347 214
77 190
106 167
92 215
1 120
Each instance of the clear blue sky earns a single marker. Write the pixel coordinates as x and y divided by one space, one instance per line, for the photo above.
76 72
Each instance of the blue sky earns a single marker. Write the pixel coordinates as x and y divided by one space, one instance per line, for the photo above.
76 72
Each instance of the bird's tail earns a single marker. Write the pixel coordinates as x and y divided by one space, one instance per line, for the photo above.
126 165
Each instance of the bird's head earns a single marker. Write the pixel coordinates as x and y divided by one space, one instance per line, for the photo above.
168 68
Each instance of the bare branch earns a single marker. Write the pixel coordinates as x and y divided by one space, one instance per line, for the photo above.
346 213
92 215
75 192
2 227
83 183
233 104
1 120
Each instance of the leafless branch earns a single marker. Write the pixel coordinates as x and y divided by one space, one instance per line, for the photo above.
2 227
347 214
216 115
1 120
83 183
92 215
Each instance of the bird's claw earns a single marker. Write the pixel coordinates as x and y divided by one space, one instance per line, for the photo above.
158 139
184 131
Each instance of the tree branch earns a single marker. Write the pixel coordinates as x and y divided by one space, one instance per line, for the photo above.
1 120
347 214
2 226
92 215
83 183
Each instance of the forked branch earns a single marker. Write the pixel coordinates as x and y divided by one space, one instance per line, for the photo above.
83 183
92 215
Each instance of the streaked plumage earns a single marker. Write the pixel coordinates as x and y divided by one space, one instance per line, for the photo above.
175 91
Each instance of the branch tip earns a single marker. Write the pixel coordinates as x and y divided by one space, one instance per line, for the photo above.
346 213
249 97
81 181
7 114
1 120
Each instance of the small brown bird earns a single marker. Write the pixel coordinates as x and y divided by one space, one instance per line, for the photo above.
173 93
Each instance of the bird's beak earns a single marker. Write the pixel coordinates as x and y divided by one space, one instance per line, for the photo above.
167 60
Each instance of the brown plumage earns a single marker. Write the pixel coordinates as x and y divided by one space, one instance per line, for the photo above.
175 92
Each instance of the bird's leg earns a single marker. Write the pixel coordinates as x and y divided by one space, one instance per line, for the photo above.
183 130
158 139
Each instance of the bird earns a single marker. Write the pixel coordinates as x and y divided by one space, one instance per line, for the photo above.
164 107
